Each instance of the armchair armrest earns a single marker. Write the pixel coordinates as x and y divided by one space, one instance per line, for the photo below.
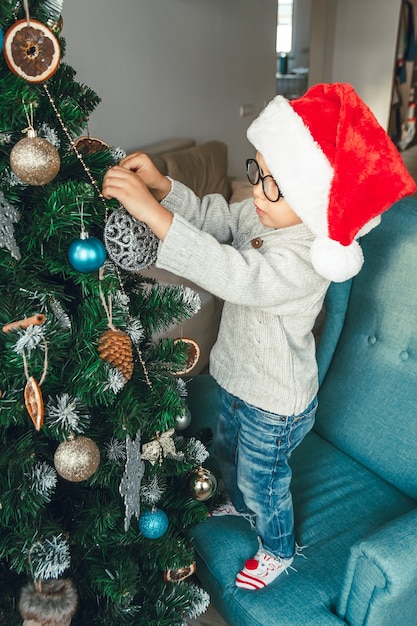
380 585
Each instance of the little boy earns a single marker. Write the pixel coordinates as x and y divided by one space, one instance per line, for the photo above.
323 173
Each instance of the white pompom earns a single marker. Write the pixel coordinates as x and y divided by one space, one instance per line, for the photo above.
336 262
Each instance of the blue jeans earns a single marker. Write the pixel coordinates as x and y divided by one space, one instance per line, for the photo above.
253 448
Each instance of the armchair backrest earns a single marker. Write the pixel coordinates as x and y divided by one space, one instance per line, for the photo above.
368 396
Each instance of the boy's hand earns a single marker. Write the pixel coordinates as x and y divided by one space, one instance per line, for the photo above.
143 166
131 191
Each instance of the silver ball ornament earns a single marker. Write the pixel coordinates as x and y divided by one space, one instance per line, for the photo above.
34 160
202 484
183 421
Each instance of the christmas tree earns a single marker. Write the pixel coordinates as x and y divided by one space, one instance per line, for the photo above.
98 482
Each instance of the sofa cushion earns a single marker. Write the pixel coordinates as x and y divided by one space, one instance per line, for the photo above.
241 190
156 150
203 168
337 502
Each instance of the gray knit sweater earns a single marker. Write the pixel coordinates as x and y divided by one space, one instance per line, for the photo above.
265 350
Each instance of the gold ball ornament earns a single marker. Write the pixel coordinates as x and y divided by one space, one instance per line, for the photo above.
77 459
202 484
34 160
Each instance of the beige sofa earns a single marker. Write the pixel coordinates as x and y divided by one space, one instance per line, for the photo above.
203 168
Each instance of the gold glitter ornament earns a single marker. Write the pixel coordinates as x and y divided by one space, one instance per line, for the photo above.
77 458
34 160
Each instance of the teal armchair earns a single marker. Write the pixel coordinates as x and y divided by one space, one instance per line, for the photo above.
355 475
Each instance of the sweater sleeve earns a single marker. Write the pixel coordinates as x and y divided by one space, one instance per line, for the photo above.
281 280
212 213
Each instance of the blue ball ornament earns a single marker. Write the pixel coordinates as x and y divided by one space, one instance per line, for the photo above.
86 254
153 524
1 39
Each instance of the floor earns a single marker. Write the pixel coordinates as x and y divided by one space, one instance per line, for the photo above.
211 617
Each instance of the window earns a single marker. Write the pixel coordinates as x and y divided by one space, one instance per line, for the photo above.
284 26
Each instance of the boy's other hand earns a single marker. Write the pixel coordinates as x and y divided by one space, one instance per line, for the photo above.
132 192
142 165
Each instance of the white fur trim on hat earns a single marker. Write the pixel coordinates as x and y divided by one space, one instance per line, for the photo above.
369 226
296 162
334 261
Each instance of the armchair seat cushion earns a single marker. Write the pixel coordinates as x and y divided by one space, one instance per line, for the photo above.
337 503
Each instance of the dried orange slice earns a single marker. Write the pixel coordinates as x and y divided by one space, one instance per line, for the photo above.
34 402
89 145
31 50
193 355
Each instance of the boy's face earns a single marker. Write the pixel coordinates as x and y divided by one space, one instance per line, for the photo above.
272 214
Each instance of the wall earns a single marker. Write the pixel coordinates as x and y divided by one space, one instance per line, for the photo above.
301 34
173 68
355 41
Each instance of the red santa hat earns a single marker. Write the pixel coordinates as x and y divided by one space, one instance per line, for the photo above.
336 167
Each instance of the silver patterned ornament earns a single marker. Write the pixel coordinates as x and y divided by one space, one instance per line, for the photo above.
130 484
130 244
34 160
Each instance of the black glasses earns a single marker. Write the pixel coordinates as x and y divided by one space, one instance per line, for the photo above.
270 188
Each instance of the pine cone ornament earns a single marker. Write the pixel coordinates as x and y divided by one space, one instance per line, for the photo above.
115 347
